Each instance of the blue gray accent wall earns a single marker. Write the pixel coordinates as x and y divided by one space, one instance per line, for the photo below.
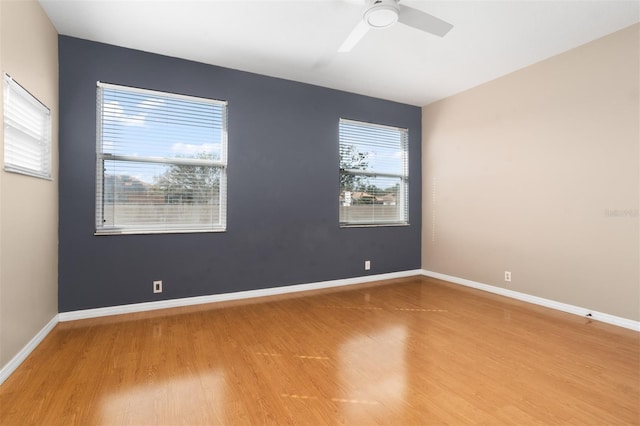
283 179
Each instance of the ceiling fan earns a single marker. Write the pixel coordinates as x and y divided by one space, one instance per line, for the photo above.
384 13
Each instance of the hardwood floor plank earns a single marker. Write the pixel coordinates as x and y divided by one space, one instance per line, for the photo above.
407 351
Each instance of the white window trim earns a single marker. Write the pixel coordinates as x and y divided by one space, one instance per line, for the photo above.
101 157
404 179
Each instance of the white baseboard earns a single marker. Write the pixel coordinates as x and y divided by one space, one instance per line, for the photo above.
15 362
576 310
198 300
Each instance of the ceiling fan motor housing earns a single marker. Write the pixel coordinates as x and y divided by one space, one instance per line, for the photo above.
381 13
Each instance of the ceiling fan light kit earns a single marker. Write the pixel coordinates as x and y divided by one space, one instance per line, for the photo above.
383 14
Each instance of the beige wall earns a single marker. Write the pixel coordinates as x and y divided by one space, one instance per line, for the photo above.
537 173
28 206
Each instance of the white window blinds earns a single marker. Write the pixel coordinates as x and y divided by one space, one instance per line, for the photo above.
161 162
374 174
27 132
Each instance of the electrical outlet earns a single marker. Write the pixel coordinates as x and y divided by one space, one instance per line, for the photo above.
157 286
367 265
507 276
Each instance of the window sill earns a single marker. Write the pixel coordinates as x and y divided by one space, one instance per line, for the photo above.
152 231
372 225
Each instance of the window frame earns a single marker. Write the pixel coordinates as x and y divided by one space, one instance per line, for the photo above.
41 138
101 157
403 190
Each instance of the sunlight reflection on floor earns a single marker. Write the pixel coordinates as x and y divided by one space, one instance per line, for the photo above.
372 371
176 401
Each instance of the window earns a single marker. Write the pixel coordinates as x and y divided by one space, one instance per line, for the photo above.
27 132
374 174
161 162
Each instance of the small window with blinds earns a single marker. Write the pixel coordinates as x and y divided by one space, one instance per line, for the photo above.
161 162
27 132
374 174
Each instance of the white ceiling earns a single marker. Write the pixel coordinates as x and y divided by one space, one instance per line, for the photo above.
298 40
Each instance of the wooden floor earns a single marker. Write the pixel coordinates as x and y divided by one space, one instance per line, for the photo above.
409 351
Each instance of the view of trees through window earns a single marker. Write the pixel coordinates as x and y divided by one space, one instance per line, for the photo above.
364 187
182 183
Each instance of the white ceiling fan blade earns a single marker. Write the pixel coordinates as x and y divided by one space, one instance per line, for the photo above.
423 21
354 37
